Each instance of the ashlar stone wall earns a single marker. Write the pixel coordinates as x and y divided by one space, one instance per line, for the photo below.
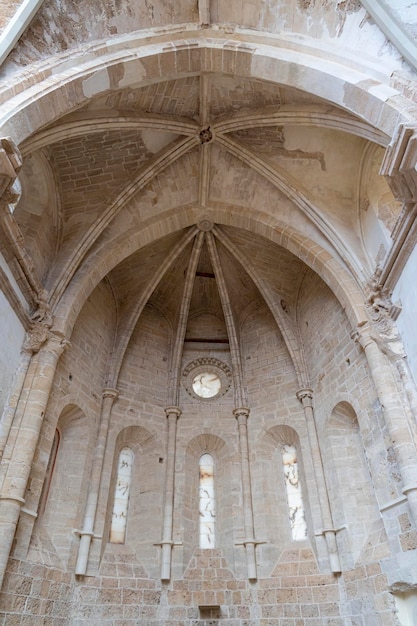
295 586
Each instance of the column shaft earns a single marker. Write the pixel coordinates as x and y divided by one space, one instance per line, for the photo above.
306 398
18 471
395 418
242 415
87 532
13 399
172 414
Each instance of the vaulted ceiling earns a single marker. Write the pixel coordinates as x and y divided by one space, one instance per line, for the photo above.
118 185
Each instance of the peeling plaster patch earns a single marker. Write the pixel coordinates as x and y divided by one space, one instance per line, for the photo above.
69 64
134 72
383 92
304 5
97 83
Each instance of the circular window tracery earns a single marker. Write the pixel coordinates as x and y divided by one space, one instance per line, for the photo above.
206 378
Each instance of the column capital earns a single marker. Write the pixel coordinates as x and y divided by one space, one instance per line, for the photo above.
241 412
173 410
363 334
35 338
10 163
305 396
56 343
110 392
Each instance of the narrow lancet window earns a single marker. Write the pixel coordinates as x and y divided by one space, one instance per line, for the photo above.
294 493
121 496
206 502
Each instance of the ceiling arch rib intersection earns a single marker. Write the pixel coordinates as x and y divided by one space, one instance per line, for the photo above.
336 231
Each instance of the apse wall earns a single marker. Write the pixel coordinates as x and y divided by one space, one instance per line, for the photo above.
122 585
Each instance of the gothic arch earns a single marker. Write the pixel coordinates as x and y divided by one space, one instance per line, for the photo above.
220 451
269 480
111 67
98 264
145 494
354 506
63 506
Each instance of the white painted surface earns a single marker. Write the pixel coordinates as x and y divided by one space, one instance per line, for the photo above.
406 292
11 338
407 608
17 26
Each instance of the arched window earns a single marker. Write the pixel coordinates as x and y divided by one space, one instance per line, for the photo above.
121 496
294 492
207 509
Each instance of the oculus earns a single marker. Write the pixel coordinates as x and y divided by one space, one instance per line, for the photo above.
206 378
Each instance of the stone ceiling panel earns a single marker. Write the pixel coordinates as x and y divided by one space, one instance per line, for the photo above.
241 289
178 97
324 162
168 295
92 169
38 211
280 270
233 181
231 94
130 278
176 186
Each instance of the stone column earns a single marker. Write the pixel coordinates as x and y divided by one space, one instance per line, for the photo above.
13 399
306 398
87 531
242 414
34 340
394 414
172 413
20 464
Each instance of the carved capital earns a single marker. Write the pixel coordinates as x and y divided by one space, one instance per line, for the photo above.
173 410
241 413
382 314
35 338
56 343
362 334
109 392
305 396
10 163
378 299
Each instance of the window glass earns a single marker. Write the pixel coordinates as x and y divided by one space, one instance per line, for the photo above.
121 496
294 493
206 502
